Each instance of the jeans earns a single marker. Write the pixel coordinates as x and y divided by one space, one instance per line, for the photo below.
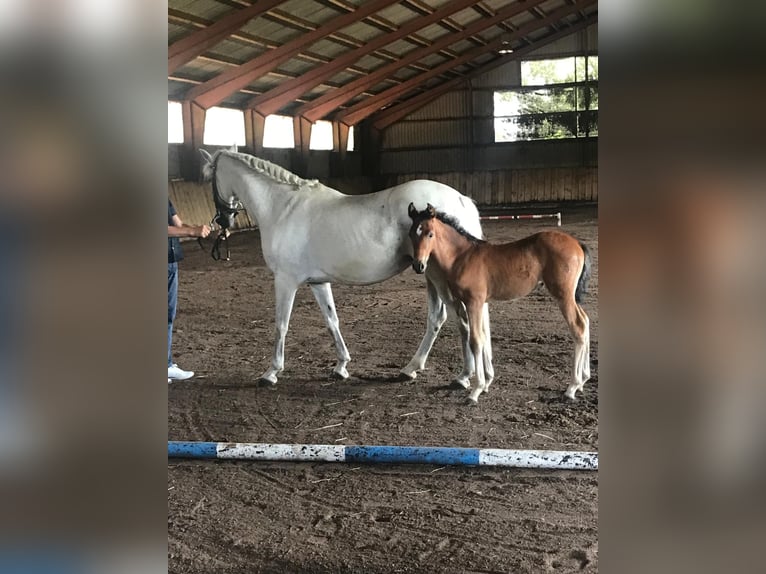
172 303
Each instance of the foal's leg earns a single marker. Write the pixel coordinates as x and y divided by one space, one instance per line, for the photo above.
437 314
285 295
489 369
475 310
323 295
469 364
577 321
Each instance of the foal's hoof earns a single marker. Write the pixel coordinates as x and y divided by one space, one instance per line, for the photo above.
570 394
469 402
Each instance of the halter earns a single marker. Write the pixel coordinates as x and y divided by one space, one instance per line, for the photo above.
224 213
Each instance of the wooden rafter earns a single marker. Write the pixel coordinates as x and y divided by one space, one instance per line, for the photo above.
248 39
368 106
220 87
191 46
326 103
395 113
385 26
289 91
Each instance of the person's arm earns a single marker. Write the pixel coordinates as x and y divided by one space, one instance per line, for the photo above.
179 229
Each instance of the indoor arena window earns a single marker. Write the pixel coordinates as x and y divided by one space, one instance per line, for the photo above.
175 123
321 135
558 98
224 126
278 132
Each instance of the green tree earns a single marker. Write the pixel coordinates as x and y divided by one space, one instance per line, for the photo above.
555 111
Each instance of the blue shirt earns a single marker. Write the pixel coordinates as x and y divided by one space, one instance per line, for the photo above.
175 253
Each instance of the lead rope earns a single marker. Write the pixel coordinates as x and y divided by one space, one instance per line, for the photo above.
215 253
234 207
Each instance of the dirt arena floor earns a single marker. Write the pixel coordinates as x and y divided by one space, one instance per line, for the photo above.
317 518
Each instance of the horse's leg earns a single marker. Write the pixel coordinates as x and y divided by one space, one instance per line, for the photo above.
285 295
577 322
489 369
437 314
323 295
475 310
469 363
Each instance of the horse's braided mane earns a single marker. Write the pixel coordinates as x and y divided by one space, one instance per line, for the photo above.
271 170
455 224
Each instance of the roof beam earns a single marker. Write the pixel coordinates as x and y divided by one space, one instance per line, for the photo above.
188 48
447 23
326 103
384 25
368 106
223 85
287 92
397 112
339 38
184 19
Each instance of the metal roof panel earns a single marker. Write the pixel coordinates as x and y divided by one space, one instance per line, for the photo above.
397 14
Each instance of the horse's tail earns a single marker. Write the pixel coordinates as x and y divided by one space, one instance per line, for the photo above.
582 282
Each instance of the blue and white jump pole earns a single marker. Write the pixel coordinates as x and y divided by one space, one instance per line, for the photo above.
440 455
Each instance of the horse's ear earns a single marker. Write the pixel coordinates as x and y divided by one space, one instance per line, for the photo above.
206 156
233 148
431 211
413 213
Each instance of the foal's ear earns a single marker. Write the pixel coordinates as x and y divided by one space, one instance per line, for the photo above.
411 211
431 211
233 148
206 156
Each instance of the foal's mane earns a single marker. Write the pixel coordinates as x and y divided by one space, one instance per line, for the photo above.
271 170
452 222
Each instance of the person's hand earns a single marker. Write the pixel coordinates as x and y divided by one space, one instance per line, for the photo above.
202 231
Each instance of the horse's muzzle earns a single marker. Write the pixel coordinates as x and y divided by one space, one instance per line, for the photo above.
224 220
419 266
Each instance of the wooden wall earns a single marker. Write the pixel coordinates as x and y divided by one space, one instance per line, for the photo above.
504 188
194 203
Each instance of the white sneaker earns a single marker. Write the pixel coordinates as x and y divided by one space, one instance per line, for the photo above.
175 372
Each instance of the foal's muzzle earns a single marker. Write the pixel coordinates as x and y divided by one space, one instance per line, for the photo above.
419 266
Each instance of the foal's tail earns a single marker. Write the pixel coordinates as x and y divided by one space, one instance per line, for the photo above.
582 282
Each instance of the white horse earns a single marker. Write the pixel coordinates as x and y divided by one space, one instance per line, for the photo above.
312 234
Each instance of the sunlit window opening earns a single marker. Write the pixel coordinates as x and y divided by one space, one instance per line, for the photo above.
175 123
350 146
278 132
224 126
558 99
321 135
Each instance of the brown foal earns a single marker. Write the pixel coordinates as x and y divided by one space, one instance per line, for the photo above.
478 271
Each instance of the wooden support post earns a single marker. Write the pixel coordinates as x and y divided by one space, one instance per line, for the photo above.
371 149
302 131
194 130
254 126
340 137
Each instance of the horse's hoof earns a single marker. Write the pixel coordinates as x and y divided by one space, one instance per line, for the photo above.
267 383
470 402
408 375
570 395
340 373
459 385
